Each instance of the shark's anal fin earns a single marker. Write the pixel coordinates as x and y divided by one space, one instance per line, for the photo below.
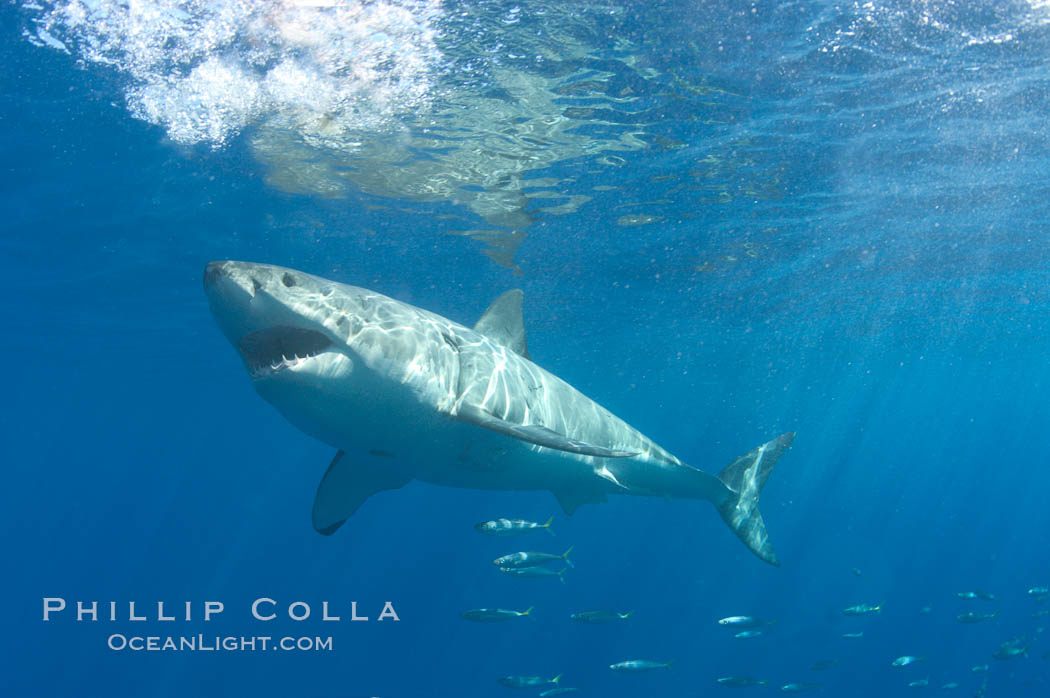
536 434
345 487
503 323
570 500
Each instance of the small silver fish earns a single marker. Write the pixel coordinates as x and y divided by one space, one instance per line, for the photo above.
906 660
853 636
862 609
512 527
919 683
800 687
974 617
949 686
979 594
748 634
744 622
1012 648
519 560
528 572
637 665
1039 592
558 691
979 669
596 617
493 615
741 681
527 681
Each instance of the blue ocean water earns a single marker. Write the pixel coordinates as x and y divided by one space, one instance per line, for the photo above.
729 220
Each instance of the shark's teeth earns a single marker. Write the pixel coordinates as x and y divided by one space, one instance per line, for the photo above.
274 367
269 351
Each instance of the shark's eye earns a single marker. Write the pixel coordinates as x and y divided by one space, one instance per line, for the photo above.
288 280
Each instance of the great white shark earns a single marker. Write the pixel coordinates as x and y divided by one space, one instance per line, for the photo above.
405 394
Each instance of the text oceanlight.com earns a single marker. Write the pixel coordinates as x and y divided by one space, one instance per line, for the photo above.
203 643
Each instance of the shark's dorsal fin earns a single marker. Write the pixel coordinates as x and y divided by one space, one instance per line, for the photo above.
570 500
345 487
503 323
536 434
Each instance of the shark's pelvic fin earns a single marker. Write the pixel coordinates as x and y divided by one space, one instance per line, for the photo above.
570 500
536 434
345 487
605 473
503 322
745 477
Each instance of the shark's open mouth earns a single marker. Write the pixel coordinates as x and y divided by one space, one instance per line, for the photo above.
274 349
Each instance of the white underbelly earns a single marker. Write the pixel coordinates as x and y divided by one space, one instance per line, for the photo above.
378 417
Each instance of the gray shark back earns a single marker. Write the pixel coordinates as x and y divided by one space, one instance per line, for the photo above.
468 374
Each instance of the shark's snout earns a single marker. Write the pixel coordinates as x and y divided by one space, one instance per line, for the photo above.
229 285
252 278
228 276
230 290
213 272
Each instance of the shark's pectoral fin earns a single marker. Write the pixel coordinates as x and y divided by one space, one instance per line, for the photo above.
345 487
570 500
503 323
536 434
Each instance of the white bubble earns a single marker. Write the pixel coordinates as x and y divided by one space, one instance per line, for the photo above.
214 101
205 69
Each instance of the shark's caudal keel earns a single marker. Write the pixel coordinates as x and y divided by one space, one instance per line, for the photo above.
405 394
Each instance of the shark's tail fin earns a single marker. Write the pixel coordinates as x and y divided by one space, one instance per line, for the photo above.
745 477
